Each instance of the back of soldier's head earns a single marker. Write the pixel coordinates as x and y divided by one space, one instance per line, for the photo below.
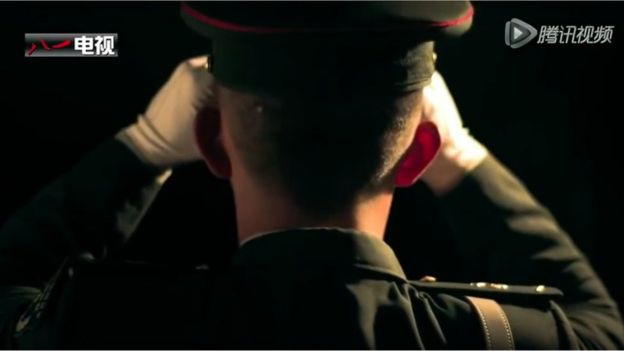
321 99
326 150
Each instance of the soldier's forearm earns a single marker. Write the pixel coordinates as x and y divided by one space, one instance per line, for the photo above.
94 207
505 235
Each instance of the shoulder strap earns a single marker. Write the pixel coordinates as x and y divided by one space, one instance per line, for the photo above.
498 335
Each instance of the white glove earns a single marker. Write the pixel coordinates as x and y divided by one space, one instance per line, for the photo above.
164 135
460 152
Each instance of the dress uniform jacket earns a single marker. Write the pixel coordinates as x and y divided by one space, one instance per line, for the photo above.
307 288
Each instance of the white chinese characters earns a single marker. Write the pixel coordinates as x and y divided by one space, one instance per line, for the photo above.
575 35
95 45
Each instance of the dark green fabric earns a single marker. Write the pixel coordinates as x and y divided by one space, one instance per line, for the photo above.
312 288
505 234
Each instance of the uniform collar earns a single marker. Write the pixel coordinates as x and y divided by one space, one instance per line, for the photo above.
333 247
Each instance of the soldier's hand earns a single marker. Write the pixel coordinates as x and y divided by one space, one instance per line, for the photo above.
460 152
163 135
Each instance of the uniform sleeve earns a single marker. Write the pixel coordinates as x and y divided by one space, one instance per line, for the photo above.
88 212
505 235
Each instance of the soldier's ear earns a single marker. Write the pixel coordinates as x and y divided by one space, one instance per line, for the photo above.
422 151
209 138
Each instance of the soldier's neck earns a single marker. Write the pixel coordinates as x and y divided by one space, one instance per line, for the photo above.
258 212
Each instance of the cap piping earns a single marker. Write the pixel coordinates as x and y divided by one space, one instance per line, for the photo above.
235 27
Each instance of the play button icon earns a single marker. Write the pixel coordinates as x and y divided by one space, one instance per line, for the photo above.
518 33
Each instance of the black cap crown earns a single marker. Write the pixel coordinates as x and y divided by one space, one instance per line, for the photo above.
286 47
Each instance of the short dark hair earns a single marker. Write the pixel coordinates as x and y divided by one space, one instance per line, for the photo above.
325 150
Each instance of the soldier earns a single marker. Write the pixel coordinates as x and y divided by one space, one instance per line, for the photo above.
315 113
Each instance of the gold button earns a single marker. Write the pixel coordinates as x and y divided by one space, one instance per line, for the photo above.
499 286
540 288
496 286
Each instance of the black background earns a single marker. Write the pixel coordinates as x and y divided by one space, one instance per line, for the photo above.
552 113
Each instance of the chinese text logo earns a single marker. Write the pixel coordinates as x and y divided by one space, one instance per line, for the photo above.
70 45
519 33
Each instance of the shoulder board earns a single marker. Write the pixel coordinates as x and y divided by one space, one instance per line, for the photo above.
492 290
